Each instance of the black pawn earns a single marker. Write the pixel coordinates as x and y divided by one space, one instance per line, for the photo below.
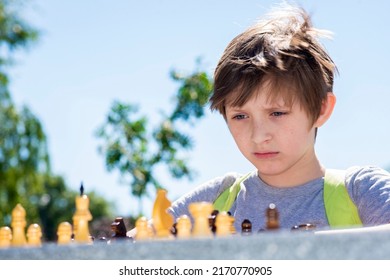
246 227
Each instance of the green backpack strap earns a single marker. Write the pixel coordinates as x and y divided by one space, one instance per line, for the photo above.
226 199
340 210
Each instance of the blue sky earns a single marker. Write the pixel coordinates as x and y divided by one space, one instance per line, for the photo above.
92 52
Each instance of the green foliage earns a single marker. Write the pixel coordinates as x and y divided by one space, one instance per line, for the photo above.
23 158
15 34
23 151
136 151
26 178
25 174
192 95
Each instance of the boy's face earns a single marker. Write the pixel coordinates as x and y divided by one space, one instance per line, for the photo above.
277 139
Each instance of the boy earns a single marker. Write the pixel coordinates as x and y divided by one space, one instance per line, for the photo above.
273 86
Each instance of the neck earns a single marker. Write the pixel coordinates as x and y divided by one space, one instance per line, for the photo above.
299 174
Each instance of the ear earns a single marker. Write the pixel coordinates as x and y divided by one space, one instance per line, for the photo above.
326 109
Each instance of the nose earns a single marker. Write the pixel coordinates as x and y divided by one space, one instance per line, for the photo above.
260 133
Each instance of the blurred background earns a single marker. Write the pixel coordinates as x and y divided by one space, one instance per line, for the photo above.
113 95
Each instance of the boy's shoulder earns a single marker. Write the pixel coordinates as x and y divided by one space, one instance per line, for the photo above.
228 179
365 175
223 182
365 171
212 187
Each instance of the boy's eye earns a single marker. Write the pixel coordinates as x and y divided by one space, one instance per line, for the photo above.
277 114
239 117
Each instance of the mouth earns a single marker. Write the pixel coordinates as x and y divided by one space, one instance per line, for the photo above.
265 155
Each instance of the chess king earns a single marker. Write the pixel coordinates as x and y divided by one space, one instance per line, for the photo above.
81 218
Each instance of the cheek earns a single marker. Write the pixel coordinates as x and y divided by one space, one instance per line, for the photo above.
233 129
297 135
303 138
238 134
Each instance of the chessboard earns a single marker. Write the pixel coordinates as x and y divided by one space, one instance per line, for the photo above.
211 235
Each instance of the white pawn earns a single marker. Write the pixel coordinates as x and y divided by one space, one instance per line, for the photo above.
64 233
5 237
34 235
143 231
183 227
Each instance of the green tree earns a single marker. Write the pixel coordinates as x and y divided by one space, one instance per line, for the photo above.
23 158
134 149
22 142
25 173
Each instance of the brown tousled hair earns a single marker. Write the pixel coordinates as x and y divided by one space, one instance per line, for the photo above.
281 52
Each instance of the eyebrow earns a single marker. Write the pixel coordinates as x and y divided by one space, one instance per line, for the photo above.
266 107
276 107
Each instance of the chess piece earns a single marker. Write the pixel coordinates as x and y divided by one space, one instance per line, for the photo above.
304 227
119 229
223 224
5 237
231 220
246 227
162 220
200 212
272 216
82 234
183 227
103 239
64 233
81 218
173 229
34 235
18 225
212 219
142 229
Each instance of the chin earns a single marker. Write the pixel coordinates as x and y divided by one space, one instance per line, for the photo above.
269 171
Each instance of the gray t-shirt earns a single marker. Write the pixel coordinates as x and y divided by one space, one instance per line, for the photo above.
368 187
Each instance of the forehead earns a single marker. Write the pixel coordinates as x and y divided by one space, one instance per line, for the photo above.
273 91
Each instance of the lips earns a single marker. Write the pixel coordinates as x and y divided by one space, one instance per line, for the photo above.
265 155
